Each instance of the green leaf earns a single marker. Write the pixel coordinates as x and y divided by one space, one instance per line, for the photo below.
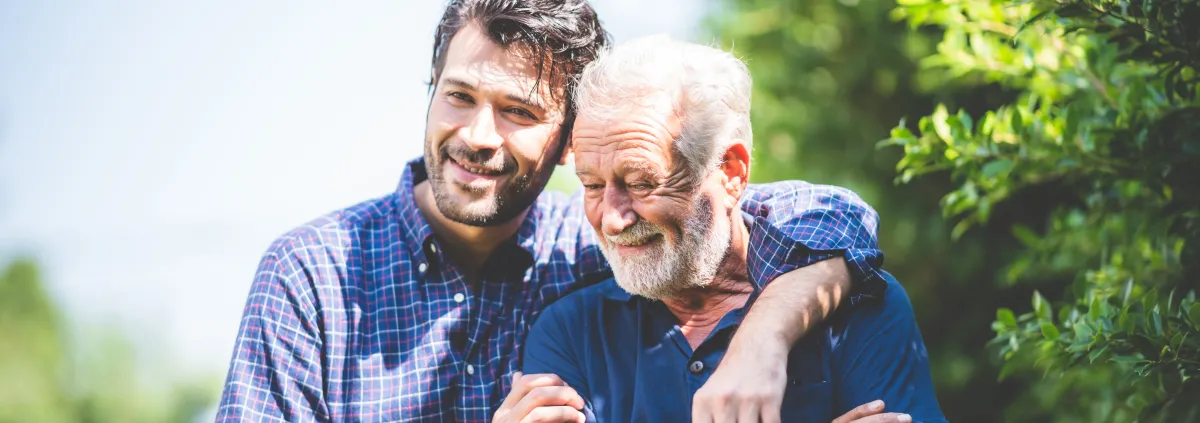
1194 317
997 167
1050 331
941 126
1083 335
1097 353
1025 235
901 133
1006 317
1041 307
1126 359
1096 309
1156 321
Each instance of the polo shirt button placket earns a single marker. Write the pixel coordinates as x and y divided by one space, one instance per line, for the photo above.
696 367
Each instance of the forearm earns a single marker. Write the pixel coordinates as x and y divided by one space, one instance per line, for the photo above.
794 303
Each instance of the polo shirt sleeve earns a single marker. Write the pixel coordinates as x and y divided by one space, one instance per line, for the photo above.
796 224
881 356
275 373
551 348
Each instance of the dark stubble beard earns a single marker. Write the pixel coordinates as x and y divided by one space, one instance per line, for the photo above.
510 198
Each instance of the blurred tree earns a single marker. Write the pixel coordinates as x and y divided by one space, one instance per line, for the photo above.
831 76
32 363
48 379
1106 115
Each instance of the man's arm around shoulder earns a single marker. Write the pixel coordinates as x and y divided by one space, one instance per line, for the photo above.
275 373
808 243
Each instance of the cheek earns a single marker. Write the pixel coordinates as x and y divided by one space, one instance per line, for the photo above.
443 118
664 212
533 145
593 212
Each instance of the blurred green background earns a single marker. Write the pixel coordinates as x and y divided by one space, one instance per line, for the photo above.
1054 161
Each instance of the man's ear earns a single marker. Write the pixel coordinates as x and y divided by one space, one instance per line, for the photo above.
735 163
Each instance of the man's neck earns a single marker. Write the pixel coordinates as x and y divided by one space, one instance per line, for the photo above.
468 247
700 309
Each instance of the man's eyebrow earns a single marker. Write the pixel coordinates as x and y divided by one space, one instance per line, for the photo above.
532 104
640 166
461 83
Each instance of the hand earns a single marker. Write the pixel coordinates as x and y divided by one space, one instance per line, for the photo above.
747 386
872 412
540 398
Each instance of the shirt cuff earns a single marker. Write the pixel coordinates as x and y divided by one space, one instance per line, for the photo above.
774 252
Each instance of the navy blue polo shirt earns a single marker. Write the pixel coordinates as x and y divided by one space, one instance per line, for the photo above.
631 363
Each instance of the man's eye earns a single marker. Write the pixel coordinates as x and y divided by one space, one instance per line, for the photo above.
459 97
640 186
593 187
522 113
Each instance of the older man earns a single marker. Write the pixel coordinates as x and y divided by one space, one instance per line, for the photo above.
662 147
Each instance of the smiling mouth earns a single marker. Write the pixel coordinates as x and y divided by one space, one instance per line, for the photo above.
477 170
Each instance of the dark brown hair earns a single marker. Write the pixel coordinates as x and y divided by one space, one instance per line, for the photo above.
561 36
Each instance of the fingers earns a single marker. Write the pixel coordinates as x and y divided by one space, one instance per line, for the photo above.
771 414
862 411
554 414
886 418
523 383
548 397
748 413
701 414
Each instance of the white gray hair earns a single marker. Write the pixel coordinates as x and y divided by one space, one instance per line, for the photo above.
710 89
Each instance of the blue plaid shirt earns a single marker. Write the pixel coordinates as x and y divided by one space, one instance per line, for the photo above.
358 316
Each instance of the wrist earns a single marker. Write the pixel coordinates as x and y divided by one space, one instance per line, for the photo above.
762 343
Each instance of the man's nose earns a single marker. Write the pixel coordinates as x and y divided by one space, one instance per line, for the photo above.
480 133
618 213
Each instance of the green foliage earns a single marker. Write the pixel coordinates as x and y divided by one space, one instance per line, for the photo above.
48 378
1105 116
830 76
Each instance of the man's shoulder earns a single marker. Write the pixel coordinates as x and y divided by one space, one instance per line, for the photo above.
330 238
878 317
586 303
803 194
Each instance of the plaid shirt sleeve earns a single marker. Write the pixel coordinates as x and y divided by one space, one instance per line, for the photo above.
275 374
797 223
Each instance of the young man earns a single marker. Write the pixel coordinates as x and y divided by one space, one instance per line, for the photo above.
414 306
662 148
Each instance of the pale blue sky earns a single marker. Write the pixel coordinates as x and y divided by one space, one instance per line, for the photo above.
151 150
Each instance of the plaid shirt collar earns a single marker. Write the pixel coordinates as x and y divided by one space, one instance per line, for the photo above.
419 235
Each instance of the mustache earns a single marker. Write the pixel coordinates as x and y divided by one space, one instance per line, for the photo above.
637 233
487 160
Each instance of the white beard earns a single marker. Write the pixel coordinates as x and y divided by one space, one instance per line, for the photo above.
666 270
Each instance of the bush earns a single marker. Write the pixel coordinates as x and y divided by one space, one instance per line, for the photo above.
1105 116
832 76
